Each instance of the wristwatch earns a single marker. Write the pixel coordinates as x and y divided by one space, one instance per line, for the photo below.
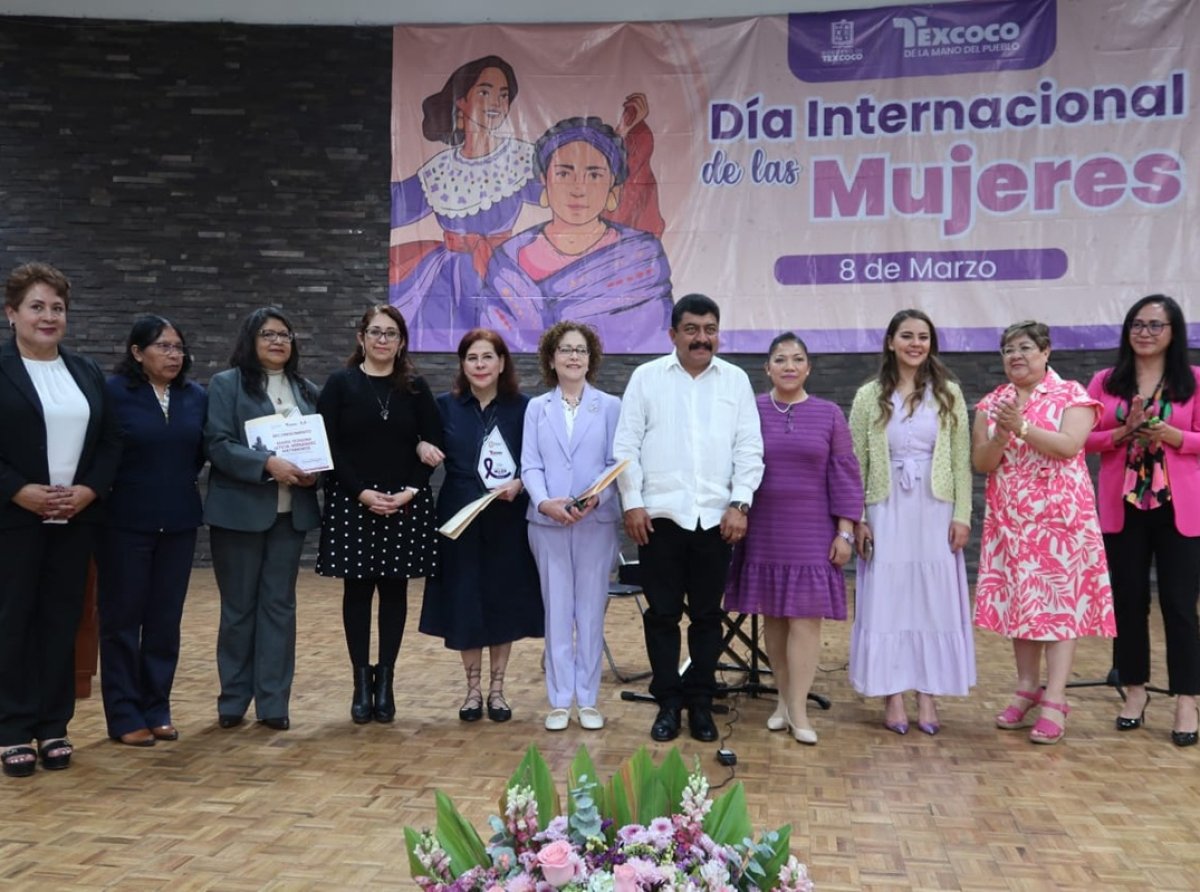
744 507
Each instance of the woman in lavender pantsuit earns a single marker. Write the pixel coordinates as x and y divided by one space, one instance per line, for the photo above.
789 567
567 444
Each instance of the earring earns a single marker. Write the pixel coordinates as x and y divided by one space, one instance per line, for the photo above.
611 204
544 200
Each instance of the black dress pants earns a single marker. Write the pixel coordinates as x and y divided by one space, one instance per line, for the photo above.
44 571
683 570
1151 536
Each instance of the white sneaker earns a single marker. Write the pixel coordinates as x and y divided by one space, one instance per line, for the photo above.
558 719
590 718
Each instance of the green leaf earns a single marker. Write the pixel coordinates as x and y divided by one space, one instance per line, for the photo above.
729 823
674 776
411 838
618 799
582 766
533 772
779 856
458 838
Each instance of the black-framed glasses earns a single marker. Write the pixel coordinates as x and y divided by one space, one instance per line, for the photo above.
169 348
383 334
571 351
1154 326
275 337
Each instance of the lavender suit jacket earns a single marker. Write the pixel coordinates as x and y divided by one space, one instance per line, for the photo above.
553 466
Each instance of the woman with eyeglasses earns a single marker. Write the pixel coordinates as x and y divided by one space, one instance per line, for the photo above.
258 509
376 410
59 450
1148 438
567 445
144 560
1043 579
789 568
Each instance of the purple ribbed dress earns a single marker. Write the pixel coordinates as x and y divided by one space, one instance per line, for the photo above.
810 479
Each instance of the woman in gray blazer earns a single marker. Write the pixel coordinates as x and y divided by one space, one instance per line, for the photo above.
259 507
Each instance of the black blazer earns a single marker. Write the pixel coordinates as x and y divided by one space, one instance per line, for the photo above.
23 437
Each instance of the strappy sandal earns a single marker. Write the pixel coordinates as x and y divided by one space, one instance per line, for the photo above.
19 761
1047 730
497 707
472 708
1014 717
56 754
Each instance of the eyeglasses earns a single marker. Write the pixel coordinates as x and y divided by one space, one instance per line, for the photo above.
1026 349
383 334
169 349
274 337
1155 326
571 351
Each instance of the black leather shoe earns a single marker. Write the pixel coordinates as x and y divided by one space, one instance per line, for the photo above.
1185 738
229 721
498 709
363 704
277 724
385 700
701 724
1125 724
666 724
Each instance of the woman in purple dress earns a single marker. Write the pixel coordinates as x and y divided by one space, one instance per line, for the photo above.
789 566
912 618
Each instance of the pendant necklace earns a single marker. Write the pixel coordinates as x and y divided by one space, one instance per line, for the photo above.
384 407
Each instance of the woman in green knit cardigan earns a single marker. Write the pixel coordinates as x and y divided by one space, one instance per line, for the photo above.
912 620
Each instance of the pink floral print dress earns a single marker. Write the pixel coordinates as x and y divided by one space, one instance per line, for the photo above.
1043 575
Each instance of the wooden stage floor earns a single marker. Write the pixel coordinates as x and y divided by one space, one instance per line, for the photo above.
324 805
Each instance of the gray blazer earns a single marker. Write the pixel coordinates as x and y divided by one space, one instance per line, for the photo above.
240 495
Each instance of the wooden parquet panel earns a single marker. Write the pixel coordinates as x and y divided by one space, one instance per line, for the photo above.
324 805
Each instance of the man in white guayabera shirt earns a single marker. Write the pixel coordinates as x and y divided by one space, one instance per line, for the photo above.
689 427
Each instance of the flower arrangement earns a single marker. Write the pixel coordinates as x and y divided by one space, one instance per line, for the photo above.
625 836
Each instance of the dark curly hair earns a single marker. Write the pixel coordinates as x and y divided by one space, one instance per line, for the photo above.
438 123
549 343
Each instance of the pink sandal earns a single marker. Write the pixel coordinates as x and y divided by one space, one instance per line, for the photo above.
1013 716
1046 730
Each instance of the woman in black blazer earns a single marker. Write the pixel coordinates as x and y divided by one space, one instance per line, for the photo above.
145 554
258 508
59 448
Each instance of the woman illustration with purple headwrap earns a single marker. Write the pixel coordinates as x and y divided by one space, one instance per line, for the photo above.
580 265
476 189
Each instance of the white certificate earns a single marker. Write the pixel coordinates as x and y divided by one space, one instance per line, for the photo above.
300 439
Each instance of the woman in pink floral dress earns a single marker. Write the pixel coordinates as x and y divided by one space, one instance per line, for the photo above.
1043 579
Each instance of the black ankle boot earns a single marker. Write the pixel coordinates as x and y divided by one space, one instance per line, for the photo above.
363 705
385 702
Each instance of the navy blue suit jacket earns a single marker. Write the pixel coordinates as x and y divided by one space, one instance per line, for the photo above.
155 489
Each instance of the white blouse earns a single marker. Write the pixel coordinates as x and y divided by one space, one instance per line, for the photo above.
279 390
66 411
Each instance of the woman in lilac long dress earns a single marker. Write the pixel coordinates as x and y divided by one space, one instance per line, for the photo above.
912 618
789 566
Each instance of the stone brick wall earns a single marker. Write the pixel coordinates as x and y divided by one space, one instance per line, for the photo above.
202 170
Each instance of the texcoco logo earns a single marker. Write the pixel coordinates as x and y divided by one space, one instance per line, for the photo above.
919 33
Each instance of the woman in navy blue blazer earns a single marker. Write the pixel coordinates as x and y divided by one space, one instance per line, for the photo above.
145 555
567 444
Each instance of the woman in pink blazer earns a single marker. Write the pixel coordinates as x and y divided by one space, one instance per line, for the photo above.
1148 438
567 444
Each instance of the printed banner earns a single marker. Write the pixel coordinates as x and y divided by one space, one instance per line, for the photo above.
984 161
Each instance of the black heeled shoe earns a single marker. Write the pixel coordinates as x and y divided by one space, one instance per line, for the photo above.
363 704
1186 738
56 754
1126 724
385 700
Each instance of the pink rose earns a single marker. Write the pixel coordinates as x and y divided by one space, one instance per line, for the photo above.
557 862
625 878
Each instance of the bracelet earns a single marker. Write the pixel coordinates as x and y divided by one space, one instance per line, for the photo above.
846 536
1024 431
